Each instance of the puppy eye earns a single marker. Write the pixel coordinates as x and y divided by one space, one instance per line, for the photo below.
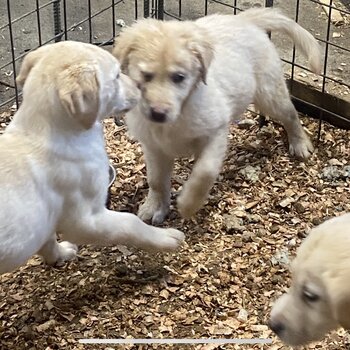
310 296
147 77
118 76
177 78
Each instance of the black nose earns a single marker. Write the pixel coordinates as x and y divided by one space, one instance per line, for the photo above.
158 116
277 326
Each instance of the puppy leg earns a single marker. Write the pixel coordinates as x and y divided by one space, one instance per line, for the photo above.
54 252
203 176
112 228
273 99
159 169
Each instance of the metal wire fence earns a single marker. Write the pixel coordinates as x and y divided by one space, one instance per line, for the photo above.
28 24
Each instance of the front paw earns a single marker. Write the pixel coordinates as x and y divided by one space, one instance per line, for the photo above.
189 203
301 147
169 239
67 251
153 211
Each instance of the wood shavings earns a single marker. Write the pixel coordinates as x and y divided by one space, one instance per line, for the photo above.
221 284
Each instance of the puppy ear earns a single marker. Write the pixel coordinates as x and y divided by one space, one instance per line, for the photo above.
79 92
30 60
122 47
202 48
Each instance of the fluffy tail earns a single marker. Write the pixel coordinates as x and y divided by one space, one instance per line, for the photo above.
270 19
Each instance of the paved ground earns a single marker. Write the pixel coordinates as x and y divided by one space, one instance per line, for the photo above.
26 34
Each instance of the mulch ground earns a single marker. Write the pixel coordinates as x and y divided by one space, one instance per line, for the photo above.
225 278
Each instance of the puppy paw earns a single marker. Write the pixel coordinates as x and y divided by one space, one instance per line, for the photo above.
189 204
170 239
67 251
301 148
153 211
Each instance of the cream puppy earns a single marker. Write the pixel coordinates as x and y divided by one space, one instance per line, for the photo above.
318 300
53 163
194 78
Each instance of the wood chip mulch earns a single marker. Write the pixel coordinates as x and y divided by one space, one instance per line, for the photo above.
224 280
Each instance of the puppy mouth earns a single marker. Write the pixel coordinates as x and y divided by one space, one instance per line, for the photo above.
297 339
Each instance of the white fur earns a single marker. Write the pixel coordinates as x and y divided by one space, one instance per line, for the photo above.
229 62
53 163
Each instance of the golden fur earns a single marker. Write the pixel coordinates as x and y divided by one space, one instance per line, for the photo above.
319 298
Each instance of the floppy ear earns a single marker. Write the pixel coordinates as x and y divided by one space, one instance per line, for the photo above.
79 90
30 60
202 48
122 47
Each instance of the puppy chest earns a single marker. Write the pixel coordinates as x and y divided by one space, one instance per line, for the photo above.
176 145
176 140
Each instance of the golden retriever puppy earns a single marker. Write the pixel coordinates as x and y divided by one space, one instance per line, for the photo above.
195 76
319 298
53 162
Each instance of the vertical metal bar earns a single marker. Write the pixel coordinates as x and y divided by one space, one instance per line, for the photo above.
65 19
89 21
57 20
160 9
153 8
235 7
113 19
293 55
269 3
206 7
136 10
12 49
146 8
262 117
38 22
325 66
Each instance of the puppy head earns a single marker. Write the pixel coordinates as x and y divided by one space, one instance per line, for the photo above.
319 298
86 80
304 314
167 60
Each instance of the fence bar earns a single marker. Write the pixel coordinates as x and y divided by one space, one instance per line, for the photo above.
89 21
12 49
113 19
293 53
146 8
136 10
160 9
38 21
65 20
325 67
57 19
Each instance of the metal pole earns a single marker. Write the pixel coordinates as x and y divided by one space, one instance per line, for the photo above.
160 10
57 20
146 8
13 56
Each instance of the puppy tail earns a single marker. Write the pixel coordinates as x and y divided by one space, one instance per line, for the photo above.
270 19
